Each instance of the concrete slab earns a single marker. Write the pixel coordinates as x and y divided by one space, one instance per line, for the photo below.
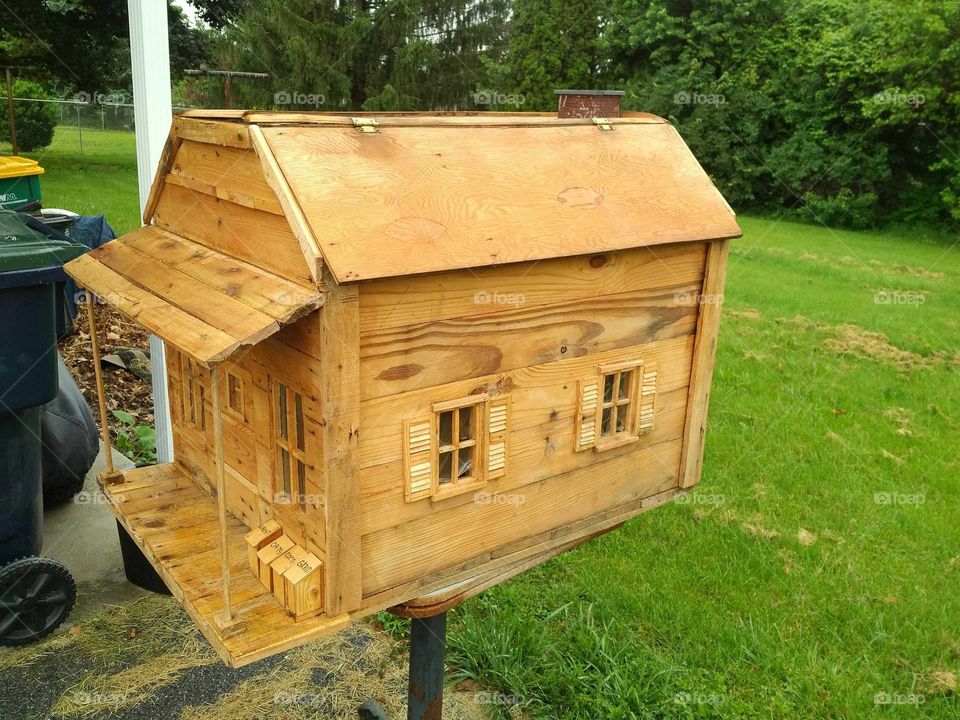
82 535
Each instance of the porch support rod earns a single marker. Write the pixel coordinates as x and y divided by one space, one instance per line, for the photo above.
221 495
98 371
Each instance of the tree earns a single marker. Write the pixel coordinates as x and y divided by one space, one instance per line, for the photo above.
552 44
35 121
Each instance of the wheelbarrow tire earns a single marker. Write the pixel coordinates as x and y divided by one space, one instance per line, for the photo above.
36 596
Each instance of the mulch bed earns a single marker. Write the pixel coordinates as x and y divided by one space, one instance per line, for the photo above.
124 390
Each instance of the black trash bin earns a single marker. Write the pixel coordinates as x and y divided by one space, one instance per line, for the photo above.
36 594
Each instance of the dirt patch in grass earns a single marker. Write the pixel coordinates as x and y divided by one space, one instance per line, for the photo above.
855 341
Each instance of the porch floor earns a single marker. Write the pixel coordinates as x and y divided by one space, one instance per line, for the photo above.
174 522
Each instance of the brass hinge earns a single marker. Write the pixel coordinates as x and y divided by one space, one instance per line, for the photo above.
602 123
365 125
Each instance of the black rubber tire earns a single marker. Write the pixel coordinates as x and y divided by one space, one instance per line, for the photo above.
36 596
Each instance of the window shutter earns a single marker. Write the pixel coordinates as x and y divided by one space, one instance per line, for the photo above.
418 458
648 397
587 404
497 438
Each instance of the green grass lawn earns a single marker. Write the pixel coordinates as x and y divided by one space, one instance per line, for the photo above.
815 571
101 179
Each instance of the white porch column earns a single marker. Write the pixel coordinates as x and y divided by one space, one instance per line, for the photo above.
150 60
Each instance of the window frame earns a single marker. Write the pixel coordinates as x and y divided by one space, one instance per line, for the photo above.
478 476
630 433
228 408
192 392
296 435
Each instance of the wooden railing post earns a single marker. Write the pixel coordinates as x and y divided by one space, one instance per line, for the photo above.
98 372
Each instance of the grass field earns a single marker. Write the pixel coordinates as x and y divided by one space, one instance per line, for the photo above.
815 571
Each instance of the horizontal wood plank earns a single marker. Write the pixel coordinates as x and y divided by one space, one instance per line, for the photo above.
260 238
430 354
398 302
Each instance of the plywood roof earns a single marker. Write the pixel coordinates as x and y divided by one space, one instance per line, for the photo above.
209 305
428 193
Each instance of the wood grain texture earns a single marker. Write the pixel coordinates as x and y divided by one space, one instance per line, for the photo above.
435 353
340 409
404 553
275 178
225 172
411 200
175 524
214 132
254 236
701 376
398 302
190 295
170 148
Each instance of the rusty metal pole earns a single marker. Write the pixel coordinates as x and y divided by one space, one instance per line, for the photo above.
428 644
13 122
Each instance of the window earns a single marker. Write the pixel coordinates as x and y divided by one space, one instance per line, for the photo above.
234 396
291 444
192 393
459 447
617 407
616 416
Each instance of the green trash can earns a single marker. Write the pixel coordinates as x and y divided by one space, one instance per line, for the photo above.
19 182
31 267
37 592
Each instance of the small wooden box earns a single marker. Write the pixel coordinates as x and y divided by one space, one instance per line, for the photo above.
258 538
279 566
303 587
267 555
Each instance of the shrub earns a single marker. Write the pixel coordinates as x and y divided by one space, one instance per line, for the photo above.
35 121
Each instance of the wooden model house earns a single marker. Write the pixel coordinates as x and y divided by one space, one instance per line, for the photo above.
410 355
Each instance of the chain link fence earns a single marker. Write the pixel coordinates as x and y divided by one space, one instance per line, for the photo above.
35 124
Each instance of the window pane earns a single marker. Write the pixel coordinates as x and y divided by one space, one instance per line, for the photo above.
465 463
446 428
466 422
190 402
298 412
301 485
605 422
625 378
285 471
608 388
282 410
234 393
623 412
446 463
